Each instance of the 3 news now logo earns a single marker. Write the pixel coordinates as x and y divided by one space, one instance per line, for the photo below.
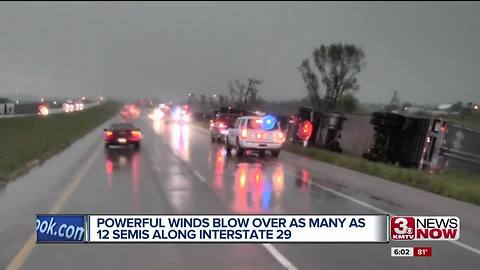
424 228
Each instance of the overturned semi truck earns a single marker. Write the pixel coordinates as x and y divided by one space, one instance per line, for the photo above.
408 141
414 142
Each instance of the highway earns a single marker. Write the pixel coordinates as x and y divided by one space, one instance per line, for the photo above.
178 171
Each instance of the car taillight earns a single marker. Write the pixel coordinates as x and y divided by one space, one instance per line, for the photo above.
221 125
136 134
244 133
108 134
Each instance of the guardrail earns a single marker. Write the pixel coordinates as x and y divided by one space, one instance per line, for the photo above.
464 156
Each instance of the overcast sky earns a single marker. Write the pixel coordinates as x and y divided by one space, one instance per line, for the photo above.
429 52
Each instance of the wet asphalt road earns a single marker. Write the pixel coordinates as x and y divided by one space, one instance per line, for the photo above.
178 170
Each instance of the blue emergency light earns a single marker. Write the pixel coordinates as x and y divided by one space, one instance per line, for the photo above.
268 122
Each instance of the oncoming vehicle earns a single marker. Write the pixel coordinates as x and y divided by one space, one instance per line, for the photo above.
257 134
219 127
78 106
180 114
130 111
69 106
122 134
161 112
43 109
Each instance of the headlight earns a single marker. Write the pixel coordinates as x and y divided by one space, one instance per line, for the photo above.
158 114
43 110
176 117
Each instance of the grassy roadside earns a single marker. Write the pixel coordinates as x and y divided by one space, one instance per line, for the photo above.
457 185
470 121
26 140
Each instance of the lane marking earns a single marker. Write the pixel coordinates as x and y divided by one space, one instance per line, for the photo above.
379 210
345 196
269 247
19 259
465 246
195 172
276 254
199 176
279 256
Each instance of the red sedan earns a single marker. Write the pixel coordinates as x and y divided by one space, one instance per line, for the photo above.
122 134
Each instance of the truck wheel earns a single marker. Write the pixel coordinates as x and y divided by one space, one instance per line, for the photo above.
239 149
136 145
228 147
275 153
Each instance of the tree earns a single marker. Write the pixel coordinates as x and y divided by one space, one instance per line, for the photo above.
252 90
457 106
237 91
240 93
311 83
211 102
203 102
348 103
252 99
338 66
395 100
191 99
221 100
468 110
394 103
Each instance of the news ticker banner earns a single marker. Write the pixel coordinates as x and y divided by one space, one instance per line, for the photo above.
211 228
243 228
